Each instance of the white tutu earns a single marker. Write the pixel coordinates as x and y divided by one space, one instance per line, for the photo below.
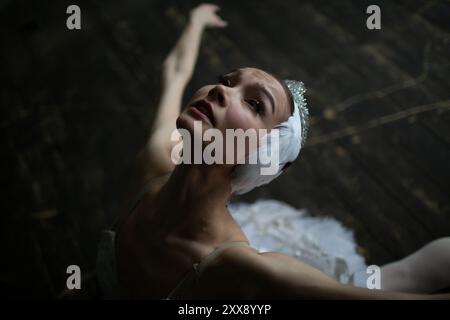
323 243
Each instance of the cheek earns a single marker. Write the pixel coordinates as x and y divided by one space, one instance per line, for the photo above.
238 118
201 93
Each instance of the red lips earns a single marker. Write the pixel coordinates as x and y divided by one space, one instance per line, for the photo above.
205 109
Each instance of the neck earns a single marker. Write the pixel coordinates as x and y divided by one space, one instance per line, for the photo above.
193 203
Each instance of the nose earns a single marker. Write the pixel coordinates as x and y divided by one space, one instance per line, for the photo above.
218 94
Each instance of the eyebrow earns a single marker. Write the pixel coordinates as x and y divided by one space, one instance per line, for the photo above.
238 71
267 94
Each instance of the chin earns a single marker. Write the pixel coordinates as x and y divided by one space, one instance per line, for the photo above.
184 122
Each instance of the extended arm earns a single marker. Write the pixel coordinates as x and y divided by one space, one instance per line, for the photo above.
294 279
154 157
273 275
426 270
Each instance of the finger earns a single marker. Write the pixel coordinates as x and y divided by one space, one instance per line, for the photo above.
211 6
222 23
218 23
215 9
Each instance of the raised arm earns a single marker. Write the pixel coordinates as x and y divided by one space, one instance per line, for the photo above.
154 157
178 67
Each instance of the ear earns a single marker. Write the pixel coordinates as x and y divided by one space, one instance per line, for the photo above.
287 165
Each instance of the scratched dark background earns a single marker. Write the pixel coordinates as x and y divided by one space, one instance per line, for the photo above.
76 106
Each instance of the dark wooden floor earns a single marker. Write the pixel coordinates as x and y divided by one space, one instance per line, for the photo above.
76 106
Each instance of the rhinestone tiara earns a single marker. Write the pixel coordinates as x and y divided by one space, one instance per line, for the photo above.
297 89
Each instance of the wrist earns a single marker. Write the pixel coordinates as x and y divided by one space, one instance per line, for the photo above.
196 23
179 81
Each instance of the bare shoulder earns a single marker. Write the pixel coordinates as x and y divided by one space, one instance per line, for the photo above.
232 275
244 273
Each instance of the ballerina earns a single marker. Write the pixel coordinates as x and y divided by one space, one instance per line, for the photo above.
180 240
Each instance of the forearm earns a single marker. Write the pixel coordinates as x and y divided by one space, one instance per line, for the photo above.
349 292
286 277
169 107
177 71
181 60
426 270
178 67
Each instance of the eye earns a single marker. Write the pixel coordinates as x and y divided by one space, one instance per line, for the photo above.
254 104
225 81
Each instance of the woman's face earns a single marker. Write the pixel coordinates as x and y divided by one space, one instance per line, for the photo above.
245 98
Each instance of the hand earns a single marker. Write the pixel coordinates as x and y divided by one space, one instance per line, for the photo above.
205 15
